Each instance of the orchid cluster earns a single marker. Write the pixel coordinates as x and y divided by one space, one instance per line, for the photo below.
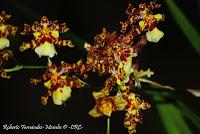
116 55
112 54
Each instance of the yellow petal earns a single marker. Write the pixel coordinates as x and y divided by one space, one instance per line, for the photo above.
2 28
155 35
61 95
106 108
158 17
95 113
55 33
141 24
48 84
100 94
46 49
120 102
4 43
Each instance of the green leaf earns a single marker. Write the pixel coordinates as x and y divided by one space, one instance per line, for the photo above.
188 113
170 116
190 32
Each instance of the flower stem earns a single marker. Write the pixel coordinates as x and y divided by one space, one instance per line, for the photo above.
108 125
155 84
19 67
34 67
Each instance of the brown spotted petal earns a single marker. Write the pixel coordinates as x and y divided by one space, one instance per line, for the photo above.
4 55
133 115
109 83
4 17
131 121
5 29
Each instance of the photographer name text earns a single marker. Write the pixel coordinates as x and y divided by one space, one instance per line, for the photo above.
39 126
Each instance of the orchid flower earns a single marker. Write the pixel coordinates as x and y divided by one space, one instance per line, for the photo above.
133 108
46 37
145 19
107 105
59 85
5 30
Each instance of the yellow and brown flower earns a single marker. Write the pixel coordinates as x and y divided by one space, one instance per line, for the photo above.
147 21
107 105
133 108
58 83
4 55
3 74
5 30
46 37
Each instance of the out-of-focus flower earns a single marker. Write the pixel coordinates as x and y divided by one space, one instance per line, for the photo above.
107 105
3 74
4 17
58 82
46 37
4 55
5 30
133 108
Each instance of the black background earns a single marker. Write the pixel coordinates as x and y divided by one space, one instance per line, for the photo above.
173 59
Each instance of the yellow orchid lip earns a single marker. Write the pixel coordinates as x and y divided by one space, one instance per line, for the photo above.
155 35
46 49
61 95
4 43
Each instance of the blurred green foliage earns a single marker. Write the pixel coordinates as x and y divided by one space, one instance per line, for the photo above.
189 31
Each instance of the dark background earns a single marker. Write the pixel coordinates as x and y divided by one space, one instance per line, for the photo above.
173 59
